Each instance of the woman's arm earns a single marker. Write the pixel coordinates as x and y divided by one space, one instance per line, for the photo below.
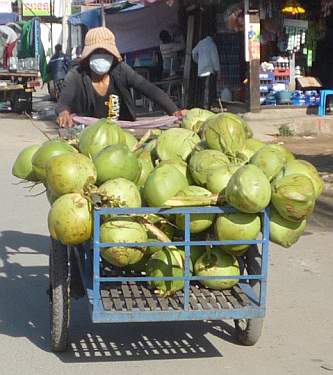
151 91
65 103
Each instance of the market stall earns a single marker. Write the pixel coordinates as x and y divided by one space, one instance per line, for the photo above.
22 65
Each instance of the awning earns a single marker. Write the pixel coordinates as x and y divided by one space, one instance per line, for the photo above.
90 18
8 17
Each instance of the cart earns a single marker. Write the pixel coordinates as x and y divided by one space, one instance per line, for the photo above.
19 90
119 296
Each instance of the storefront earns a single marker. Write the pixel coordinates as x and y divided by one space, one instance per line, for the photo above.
267 49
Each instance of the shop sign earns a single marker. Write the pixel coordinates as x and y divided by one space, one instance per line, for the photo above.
33 8
252 39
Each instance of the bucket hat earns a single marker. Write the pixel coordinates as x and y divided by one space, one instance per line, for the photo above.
100 38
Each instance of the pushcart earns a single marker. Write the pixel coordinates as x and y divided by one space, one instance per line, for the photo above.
115 295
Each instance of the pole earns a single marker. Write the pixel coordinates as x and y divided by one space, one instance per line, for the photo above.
103 13
67 6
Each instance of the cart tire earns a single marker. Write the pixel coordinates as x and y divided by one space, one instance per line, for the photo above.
248 331
59 296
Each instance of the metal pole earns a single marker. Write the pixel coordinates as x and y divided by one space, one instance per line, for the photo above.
103 13
67 4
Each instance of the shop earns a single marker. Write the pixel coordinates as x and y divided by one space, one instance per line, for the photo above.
291 34
269 50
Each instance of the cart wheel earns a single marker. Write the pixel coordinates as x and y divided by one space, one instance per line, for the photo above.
248 331
59 296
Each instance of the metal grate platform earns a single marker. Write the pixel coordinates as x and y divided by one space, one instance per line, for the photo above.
131 296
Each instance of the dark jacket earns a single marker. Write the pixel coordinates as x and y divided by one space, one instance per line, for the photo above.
78 97
58 66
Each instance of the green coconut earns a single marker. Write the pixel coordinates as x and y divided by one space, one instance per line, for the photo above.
248 189
131 141
69 173
225 134
237 226
123 229
181 166
45 152
116 161
162 184
101 134
142 264
218 180
122 189
305 168
217 263
176 144
22 167
284 232
251 146
270 160
146 166
70 219
203 163
168 262
195 118
198 222
288 156
293 196
247 129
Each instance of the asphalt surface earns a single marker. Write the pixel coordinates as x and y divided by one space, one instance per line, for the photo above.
297 336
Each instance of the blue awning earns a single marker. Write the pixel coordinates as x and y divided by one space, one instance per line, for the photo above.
90 18
8 17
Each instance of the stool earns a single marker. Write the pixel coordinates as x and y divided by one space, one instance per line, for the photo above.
322 105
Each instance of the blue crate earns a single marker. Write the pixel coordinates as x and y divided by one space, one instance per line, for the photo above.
93 278
266 76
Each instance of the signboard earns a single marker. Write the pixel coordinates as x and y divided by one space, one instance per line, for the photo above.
33 8
252 40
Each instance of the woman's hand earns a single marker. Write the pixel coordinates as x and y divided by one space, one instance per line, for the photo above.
65 120
180 114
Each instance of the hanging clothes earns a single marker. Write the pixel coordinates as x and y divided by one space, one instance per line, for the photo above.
28 48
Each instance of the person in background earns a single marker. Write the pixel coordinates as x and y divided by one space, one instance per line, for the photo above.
102 73
58 66
169 51
205 54
77 58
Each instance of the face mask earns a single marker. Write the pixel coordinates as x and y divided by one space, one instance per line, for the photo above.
100 63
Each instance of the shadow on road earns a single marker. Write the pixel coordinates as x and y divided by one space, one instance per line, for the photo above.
24 304
24 313
144 341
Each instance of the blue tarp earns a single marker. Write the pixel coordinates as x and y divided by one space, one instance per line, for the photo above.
8 17
90 18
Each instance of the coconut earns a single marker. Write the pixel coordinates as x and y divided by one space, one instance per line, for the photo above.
217 263
176 144
22 167
162 184
116 161
101 134
69 173
70 219
45 152
198 222
237 226
203 163
123 229
248 189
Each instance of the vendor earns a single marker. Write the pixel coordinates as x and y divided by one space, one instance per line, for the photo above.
102 73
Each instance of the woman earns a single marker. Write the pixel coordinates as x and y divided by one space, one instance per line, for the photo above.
102 73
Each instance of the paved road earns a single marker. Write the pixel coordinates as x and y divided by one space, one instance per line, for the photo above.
297 337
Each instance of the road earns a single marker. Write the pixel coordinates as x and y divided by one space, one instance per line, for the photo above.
297 336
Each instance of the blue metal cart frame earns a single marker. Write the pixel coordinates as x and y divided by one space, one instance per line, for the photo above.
252 312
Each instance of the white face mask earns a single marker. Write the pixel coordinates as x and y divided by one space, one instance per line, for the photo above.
100 63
